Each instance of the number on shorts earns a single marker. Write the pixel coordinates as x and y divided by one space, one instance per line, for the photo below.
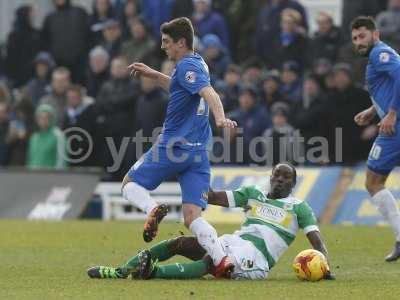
375 152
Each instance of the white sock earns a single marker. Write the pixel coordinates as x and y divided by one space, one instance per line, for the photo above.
139 197
208 239
388 208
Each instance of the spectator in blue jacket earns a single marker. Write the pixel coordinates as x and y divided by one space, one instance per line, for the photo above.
38 86
291 87
230 87
269 22
252 120
215 55
270 88
205 20
156 12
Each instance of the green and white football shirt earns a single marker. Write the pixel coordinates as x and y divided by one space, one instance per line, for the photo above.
271 224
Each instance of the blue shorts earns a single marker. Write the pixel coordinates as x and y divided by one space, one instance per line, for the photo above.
385 153
191 167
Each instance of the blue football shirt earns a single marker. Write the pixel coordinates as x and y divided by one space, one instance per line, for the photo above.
187 123
383 78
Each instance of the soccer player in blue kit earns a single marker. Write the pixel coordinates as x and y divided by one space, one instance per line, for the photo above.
182 147
383 81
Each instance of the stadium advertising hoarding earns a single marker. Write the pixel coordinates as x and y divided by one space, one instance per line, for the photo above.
357 207
45 195
315 185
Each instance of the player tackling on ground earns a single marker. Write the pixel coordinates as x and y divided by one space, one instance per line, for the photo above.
182 147
383 80
271 224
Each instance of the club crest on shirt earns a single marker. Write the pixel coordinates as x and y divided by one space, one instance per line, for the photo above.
384 57
190 76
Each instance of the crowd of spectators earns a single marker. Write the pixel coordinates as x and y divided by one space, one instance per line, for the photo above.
275 78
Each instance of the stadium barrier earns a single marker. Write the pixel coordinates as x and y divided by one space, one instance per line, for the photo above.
356 206
45 194
116 207
314 184
337 195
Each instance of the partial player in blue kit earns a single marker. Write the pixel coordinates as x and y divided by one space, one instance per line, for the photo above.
383 80
182 147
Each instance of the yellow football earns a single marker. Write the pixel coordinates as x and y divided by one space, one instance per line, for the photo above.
310 265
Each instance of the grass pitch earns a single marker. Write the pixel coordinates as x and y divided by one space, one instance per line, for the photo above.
45 260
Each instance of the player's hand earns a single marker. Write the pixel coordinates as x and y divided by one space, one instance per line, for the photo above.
139 69
365 117
226 123
388 123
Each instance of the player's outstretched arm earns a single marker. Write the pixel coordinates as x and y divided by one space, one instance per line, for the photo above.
318 244
213 100
139 69
218 198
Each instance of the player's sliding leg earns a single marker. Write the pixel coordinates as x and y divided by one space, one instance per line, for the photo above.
189 247
160 252
387 206
148 268
102 272
184 245
208 239
191 270
140 198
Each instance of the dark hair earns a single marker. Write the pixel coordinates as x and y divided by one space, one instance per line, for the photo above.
363 21
180 28
109 13
292 167
313 77
142 21
233 69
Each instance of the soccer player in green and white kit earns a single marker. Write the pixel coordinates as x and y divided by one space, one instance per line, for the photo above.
271 224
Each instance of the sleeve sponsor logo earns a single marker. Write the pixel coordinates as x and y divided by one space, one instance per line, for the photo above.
384 57
190 76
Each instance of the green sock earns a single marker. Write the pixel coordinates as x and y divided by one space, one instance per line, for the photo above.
158 252
196 269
